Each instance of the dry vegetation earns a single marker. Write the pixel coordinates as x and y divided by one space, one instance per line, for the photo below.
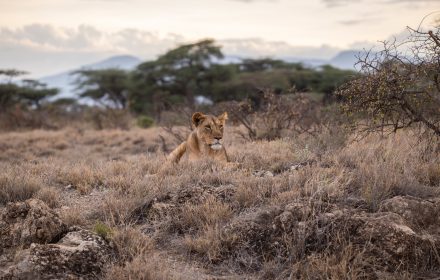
303 207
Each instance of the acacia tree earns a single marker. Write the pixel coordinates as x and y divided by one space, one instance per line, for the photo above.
110 87
184 72
28 92
34 92
9 90
399 86
10 74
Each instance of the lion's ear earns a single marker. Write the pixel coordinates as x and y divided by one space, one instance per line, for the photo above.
223 117
197 118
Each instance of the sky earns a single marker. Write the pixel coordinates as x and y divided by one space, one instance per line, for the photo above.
48 36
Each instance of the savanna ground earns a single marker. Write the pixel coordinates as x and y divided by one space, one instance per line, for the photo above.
325 207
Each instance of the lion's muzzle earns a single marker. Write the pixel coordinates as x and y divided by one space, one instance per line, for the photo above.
216 145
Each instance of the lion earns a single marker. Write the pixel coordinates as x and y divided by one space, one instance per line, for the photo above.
206 140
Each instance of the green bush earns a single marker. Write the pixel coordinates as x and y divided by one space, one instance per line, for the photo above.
145 121
102 230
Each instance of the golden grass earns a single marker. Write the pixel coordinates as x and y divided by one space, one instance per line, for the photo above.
16 185
108 176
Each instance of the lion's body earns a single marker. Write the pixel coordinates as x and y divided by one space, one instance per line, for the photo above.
204 141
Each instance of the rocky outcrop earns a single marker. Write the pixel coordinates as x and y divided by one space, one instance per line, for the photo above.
419 213
388 239
36 244
79 254
31 221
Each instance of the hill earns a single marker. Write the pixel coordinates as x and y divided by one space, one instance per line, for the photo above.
64 81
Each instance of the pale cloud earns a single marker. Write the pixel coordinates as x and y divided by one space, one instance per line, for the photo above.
48 37
45 49
363 45
253 1
337 3
409 1
361 19
350 22
257 47
87 38
144 43
396 38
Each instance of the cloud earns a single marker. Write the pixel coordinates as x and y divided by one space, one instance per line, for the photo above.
361 19
363 45
337 3
87 38
45 49
256 47
252 1
409 1
397 39
351 22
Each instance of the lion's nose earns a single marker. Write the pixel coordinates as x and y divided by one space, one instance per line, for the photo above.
217 137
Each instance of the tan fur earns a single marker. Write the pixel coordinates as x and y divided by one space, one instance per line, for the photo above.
204 141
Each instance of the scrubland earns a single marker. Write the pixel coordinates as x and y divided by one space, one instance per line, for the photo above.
326 207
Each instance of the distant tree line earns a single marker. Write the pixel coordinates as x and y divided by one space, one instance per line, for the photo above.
397 87
176 78
180 75
27 93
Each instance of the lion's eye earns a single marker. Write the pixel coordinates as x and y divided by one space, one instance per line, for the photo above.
208 128
221 127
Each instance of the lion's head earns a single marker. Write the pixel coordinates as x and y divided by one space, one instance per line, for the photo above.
209 129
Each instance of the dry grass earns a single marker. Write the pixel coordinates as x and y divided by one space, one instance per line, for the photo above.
18 186
209 215
130 243
50 196
385 167
74 217
208 243
211 212
348 263
150 267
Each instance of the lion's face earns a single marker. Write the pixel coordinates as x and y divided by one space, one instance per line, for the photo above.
210 129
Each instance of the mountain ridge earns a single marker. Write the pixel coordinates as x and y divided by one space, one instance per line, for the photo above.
64 80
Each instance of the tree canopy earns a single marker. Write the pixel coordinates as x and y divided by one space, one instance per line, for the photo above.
184 72
198 69
27 92
109 86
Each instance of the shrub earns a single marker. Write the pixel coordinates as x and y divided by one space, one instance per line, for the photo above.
108 118
399 87
145 121
277 116
102 230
